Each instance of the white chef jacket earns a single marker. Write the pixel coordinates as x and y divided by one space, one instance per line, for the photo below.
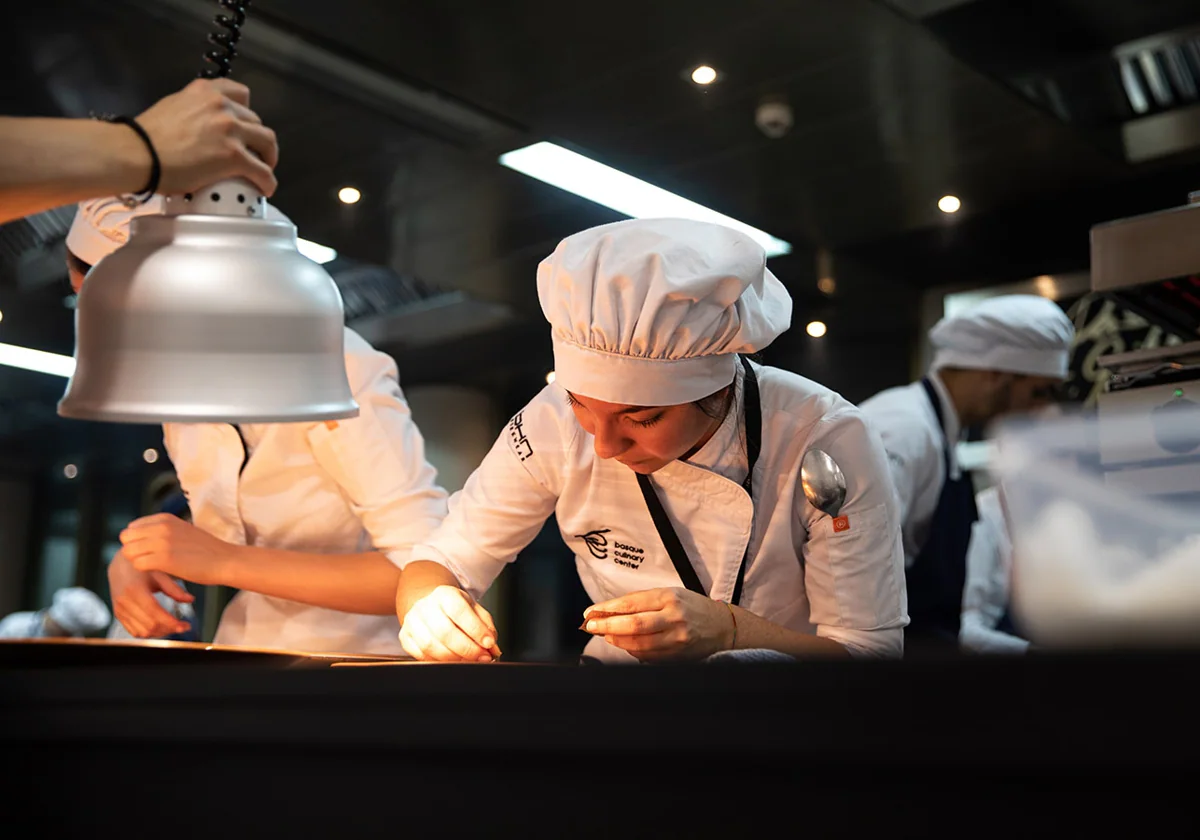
989 581
332 487
908 426
845 584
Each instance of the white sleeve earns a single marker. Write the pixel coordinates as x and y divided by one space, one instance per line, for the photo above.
854 565
985 596
911 465
508 498
378 460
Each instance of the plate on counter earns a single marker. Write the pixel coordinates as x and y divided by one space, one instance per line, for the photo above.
73 652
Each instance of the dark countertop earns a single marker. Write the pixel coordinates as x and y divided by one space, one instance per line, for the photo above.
1088 738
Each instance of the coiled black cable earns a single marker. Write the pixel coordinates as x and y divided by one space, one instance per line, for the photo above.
221 57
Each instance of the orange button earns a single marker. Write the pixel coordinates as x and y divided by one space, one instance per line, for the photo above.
841 523
331 424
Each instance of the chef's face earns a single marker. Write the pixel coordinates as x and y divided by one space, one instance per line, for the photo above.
1021 394
643 438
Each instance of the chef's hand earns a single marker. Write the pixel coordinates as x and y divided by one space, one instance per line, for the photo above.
134 604
448 625
206 133
165 543
657 624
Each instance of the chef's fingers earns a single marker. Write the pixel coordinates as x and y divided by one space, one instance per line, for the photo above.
665 642
135 533
171 587
146 555
161 622
645 600
460 609
132 622
637 624
426 645
243 113
152 519
448 633
409 643
262 155
235 91
135 618
486 617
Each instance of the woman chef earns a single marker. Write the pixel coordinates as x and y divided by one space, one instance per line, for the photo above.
672 464
309 520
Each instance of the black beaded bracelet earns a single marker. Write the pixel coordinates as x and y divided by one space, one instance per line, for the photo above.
145 194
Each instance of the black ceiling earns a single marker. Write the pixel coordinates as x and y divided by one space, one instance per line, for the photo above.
895 101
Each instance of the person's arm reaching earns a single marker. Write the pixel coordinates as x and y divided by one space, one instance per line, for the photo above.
203 134
377 460
503 505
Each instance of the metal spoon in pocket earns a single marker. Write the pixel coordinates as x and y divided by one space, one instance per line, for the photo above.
823 482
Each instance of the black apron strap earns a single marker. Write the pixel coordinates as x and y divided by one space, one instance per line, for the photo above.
931 392
752 411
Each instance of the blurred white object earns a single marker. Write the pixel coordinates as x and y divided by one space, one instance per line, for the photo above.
1100 560
988 589
75 611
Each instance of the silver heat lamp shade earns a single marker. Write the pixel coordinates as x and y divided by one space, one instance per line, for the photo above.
209 314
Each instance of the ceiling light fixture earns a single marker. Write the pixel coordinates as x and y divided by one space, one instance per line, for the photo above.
349 195
210 312
550 377
704 75
317 253
949 204
150 456
38 361
816 329
626 194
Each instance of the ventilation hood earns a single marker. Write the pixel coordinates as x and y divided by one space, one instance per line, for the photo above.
1127 76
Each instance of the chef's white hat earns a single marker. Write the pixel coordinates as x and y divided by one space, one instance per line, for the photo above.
79 611
1012 333
652 311
101 225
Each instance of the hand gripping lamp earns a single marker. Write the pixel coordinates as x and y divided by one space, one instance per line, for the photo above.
209 313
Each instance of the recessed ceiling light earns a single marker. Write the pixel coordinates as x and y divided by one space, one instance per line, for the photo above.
827 285
614 189
349 195
70 470
815 328
1 316
949 204
704 75
549 377
150 456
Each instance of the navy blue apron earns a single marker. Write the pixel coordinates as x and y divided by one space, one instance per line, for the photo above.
1008 625
936 578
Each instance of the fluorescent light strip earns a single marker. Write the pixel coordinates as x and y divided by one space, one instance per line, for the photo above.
317 253
602 184
36 360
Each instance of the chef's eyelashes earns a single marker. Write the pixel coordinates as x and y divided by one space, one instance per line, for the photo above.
647 423
650 421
